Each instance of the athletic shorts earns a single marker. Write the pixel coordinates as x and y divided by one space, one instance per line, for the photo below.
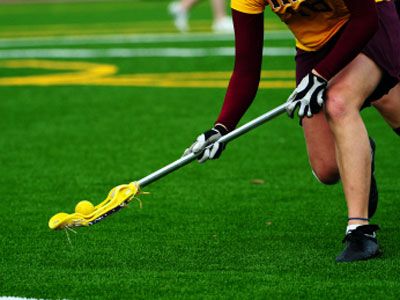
383 49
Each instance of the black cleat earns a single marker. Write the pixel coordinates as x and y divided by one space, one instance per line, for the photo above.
373 192
361 244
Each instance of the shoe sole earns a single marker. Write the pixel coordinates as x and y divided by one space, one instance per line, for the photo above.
375 255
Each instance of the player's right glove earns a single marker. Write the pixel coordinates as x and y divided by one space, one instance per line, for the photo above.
205 139
309 96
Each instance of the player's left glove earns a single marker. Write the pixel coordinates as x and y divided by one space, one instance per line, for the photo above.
204 140
309 96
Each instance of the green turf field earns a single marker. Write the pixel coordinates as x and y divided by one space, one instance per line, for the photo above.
72 127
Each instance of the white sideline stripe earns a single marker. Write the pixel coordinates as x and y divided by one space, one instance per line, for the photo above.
130 39
141 52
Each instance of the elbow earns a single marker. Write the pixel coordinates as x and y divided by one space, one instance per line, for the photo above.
245 84
247 77
248 64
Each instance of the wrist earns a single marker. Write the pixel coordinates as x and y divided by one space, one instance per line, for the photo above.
316 73
221 128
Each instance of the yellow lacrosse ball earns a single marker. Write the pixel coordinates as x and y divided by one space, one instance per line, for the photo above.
84 207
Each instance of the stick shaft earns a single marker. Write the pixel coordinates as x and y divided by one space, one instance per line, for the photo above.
224 139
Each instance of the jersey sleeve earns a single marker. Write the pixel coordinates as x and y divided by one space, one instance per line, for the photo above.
248 6
362 25
243 85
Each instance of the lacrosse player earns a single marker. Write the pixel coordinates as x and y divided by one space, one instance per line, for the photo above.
180 12
347 56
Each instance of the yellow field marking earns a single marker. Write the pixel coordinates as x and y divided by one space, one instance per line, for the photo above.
214 74
163 83
98 28
83 26
88 31
104 28
85 73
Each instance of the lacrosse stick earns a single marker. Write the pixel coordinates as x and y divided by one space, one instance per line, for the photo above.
87 214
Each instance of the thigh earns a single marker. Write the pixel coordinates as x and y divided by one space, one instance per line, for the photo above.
351 86
354 84
389 106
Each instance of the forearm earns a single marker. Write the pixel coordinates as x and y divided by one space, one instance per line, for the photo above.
359 30
240 94
243 85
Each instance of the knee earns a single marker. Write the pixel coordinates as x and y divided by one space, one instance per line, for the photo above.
337 106
326 174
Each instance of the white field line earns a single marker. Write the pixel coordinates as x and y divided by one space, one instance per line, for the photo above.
130 39
129 52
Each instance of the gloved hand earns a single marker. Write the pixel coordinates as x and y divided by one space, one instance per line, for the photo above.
207 138
309 96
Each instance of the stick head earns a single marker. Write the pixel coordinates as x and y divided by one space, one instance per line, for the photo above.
86 214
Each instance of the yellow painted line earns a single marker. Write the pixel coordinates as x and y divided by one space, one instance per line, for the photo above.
278 84
85 29
55 65
45 33
117 25
207 75
142 24
85 73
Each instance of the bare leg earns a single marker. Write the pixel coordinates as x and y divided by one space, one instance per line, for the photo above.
346 94
389 107
321 149
188 4
222 23
218 7
180 12
337 140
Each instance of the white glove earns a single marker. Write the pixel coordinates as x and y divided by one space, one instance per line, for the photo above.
309 96
205 139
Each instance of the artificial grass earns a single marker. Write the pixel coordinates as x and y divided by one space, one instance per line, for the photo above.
205 231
